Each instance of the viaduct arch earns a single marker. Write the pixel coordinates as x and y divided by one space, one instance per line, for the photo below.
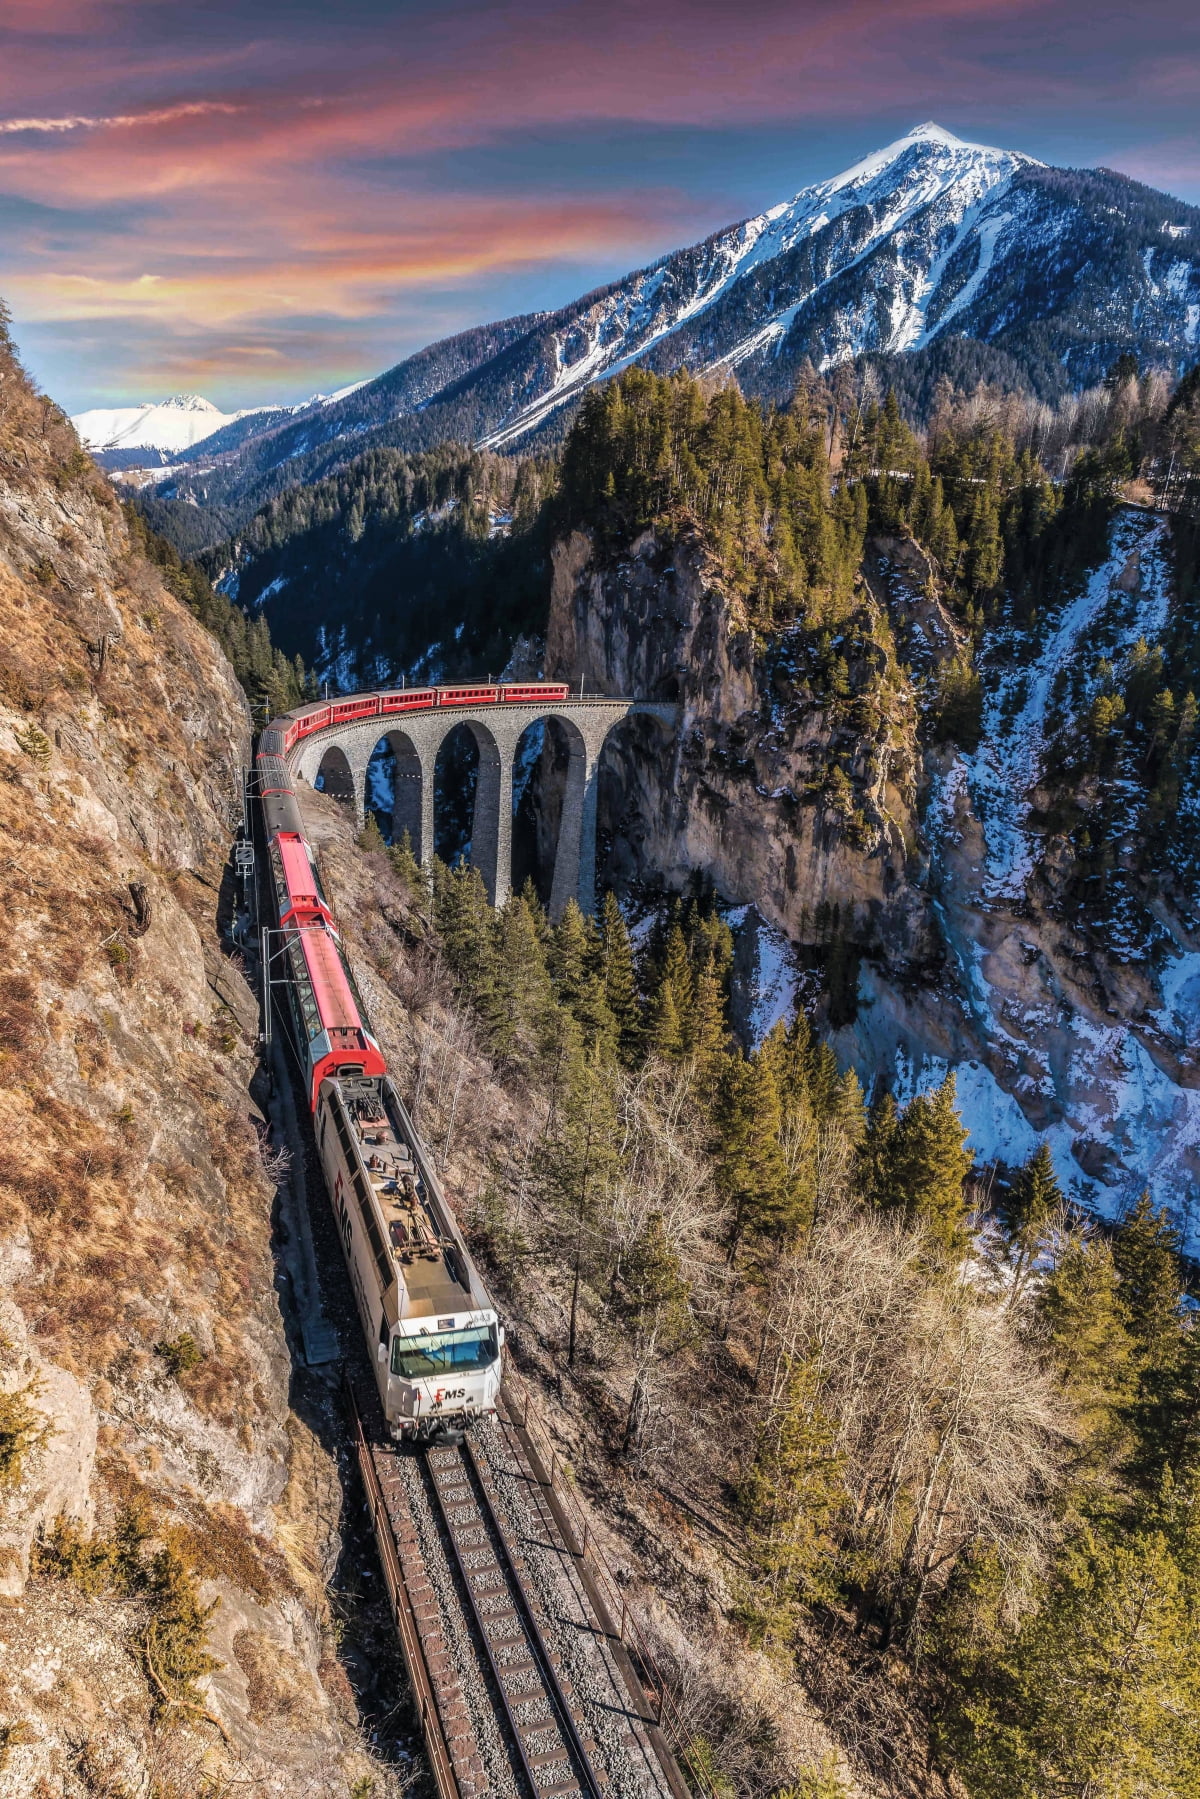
342 752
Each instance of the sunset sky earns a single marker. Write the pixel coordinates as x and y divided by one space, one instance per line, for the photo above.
255 199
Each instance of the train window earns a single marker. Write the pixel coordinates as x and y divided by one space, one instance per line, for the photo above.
444 1352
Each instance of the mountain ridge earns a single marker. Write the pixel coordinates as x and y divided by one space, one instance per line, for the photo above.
1050 274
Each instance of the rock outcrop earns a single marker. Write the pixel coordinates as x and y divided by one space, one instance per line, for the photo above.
792 780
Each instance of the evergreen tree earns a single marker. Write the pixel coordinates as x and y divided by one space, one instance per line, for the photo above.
707 1032
618 976
1035 1199
1145 1250
931 1163
1089 1341
750 1170
574 961
789 1501
1100 1692
463 914
877 1153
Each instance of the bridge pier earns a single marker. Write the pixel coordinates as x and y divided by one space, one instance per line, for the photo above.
344 753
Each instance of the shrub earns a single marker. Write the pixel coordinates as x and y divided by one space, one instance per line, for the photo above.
181 1354
21 1430
172 1647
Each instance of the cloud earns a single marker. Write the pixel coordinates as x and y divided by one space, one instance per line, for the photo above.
198 173
163 115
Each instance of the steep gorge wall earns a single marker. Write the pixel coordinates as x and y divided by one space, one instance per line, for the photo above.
746 793
948 888
134 1207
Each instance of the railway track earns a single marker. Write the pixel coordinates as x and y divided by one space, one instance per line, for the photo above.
544 1723
523 1691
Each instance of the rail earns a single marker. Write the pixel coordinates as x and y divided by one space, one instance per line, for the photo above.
419 1676
604 1589
484 1560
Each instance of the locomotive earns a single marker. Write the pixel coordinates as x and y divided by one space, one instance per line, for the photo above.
432 1331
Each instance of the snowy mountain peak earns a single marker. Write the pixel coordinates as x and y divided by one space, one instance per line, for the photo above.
191 403
910 217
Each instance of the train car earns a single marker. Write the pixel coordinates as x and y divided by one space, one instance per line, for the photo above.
409 699
299 900
331 1027
482 695
532 693
433 1332
436 1339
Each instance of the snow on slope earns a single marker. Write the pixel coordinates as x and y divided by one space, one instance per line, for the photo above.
1036 1054
175 424
178 423
1006 766
929 181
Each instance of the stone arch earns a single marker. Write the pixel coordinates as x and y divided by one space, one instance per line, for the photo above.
490 803
634 789
550 826
335 777
396 772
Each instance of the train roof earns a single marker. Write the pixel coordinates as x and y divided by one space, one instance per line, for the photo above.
298 871
330 983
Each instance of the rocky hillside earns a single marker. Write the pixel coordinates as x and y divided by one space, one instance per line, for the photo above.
167 1522
967 873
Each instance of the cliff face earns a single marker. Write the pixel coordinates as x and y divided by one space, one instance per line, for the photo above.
945 881
779 790
143 1365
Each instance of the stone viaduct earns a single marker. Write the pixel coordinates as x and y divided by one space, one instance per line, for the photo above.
341 752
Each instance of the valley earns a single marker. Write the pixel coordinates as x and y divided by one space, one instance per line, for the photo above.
831 1159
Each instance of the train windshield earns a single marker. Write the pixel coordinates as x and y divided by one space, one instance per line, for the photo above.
444 1352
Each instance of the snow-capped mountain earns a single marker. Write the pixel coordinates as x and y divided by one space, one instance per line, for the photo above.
983 262
181 422
174 424
931 204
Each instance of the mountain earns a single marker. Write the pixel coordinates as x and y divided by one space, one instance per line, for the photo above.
981 261
175 426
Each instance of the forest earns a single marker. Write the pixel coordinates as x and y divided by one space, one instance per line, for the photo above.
952 1427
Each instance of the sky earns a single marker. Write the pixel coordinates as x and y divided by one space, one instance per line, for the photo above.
261 199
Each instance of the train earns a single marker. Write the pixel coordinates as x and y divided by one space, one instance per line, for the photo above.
433 1334
307 719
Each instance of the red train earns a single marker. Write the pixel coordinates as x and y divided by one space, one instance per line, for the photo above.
430 1326
328 1014
414 699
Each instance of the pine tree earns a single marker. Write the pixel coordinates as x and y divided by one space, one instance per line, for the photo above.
371 839
1145 1250
750 1170
513 1007
931 1163
618 975
405 863
1087 1335
789 1500
1099 1695
463 914
877 1153
707 1033
664 1027
1035 1199
574 960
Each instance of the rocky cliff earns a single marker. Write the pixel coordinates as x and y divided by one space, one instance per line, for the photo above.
166 1520
934 890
